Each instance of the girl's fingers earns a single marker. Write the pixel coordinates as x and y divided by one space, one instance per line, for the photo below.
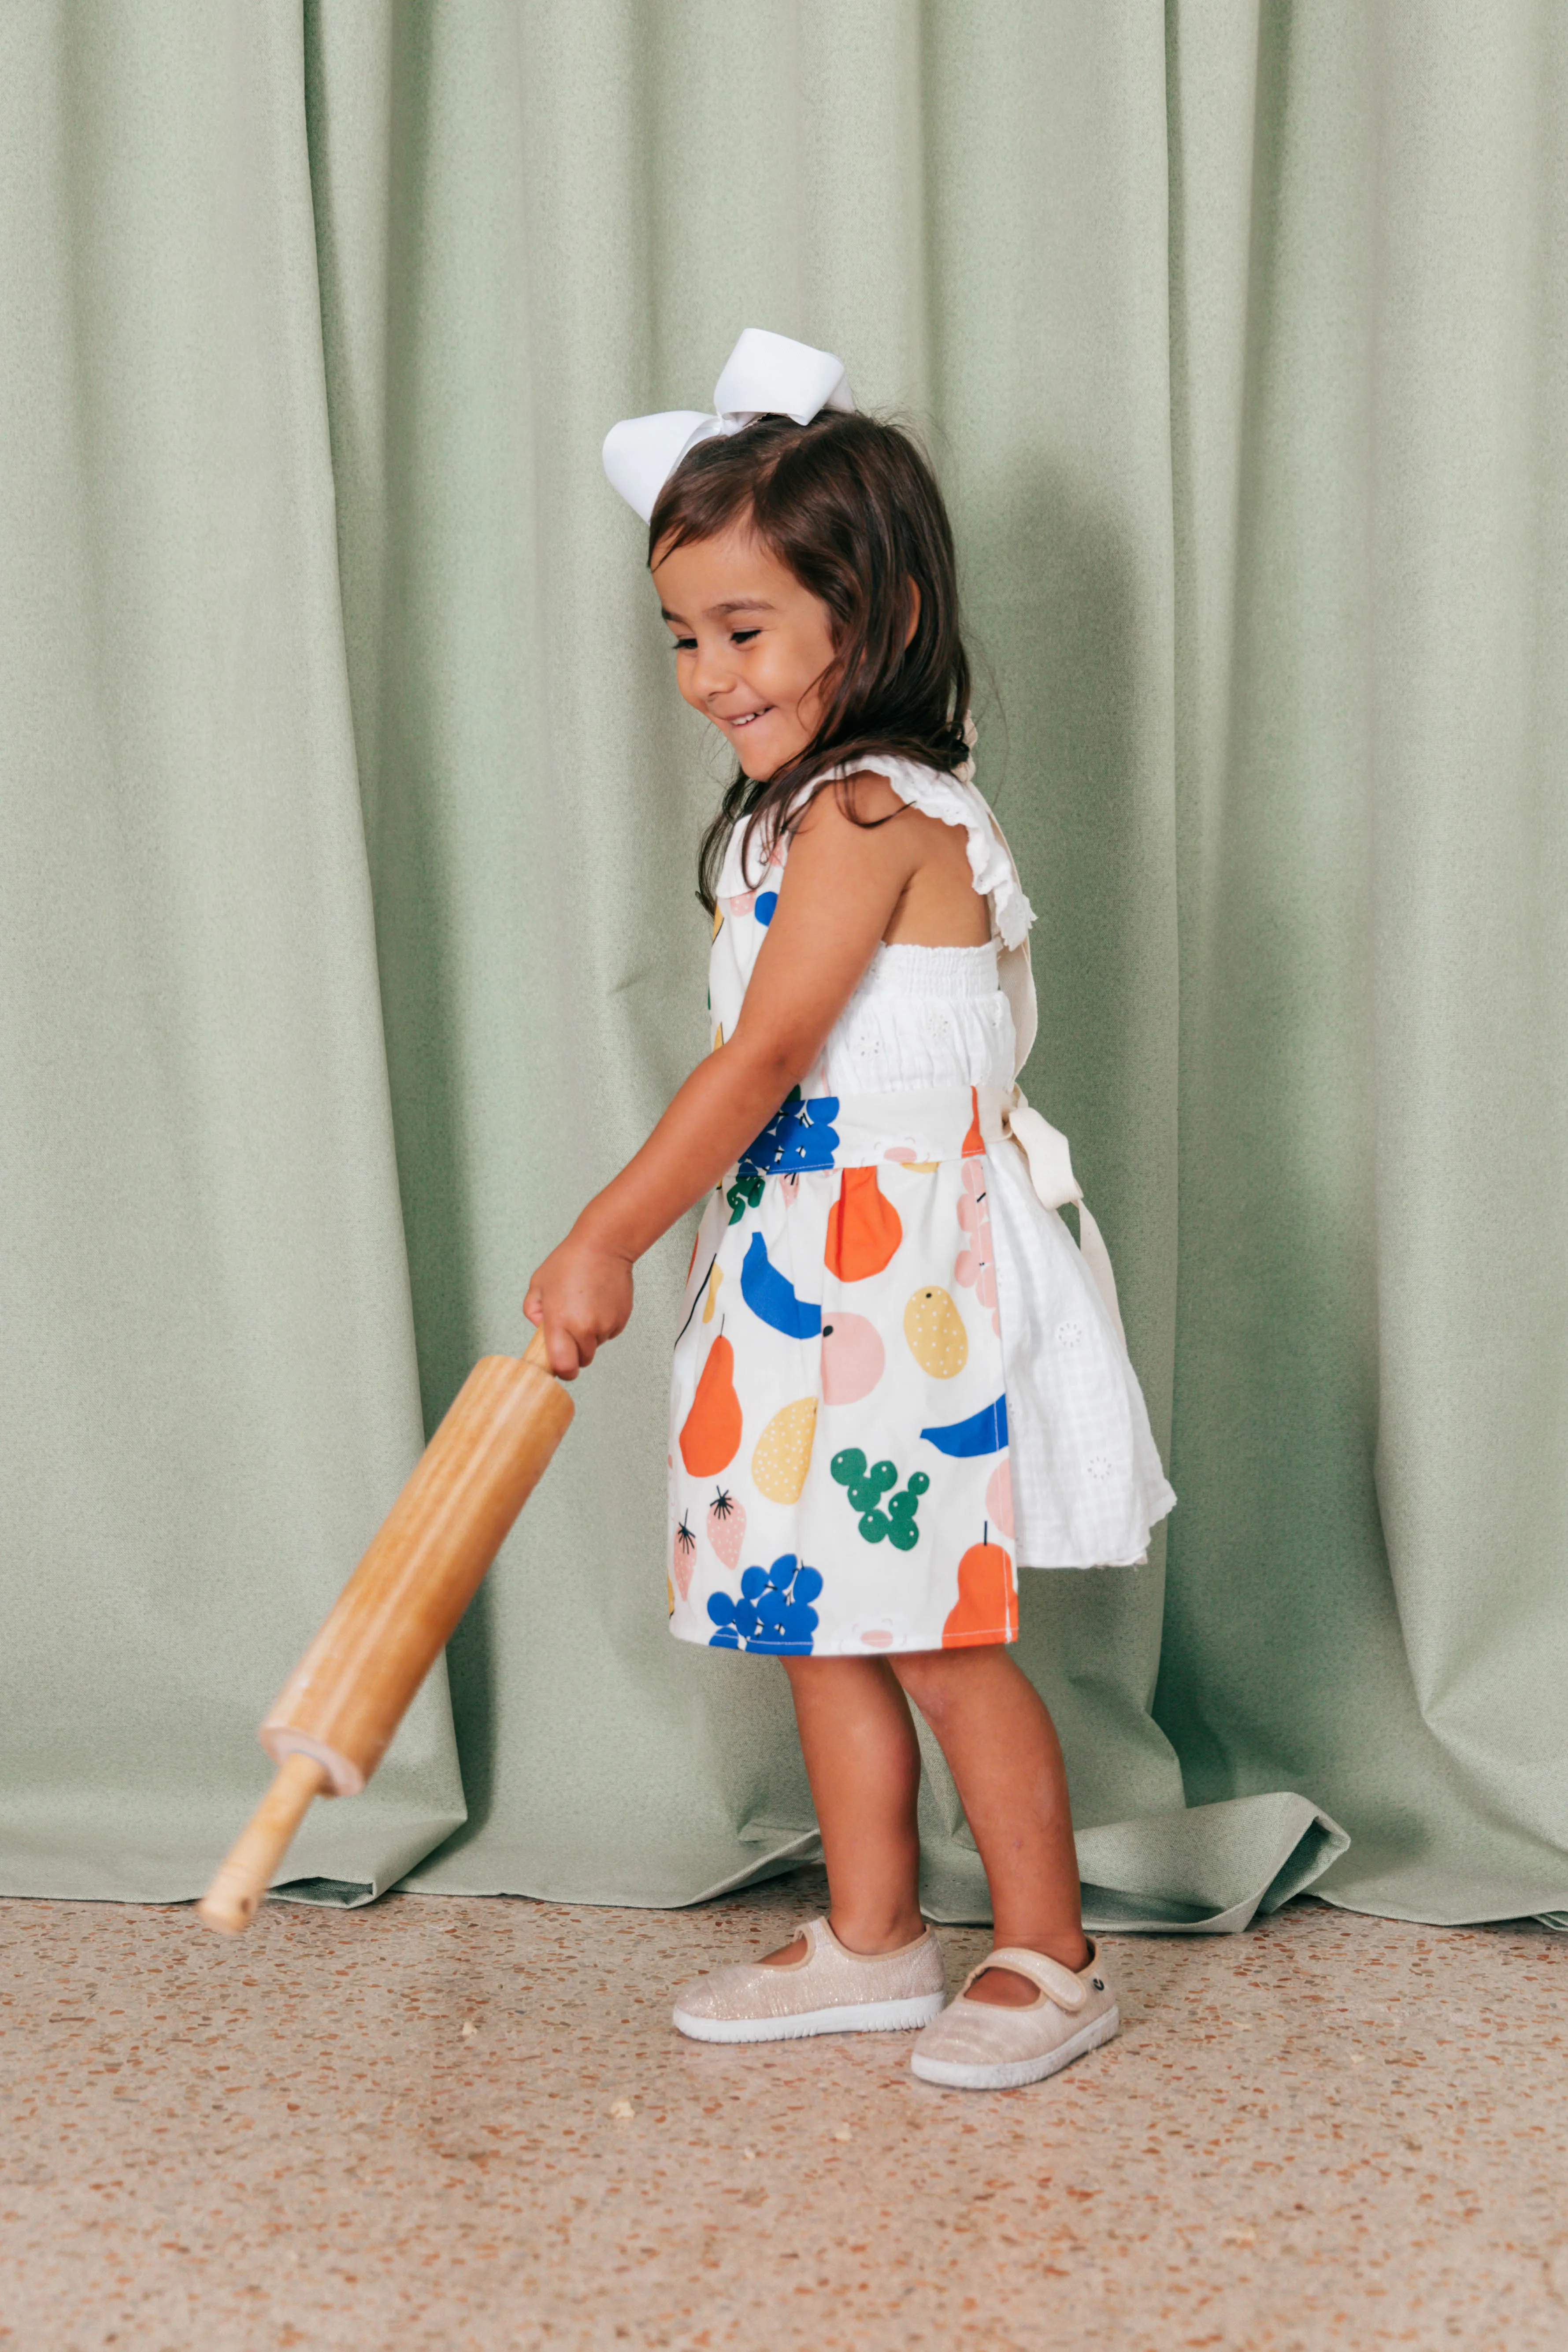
569 1346
560 1348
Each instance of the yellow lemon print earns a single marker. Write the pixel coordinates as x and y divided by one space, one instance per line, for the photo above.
934 1329
783 1452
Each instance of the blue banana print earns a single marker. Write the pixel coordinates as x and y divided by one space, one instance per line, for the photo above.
773 1300
983 1433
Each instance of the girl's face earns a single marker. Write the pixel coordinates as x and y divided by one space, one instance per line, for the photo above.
750 645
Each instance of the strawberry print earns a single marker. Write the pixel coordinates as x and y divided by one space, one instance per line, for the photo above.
681 1563
727 1528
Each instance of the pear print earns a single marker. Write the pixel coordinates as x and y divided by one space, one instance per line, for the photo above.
853 1357
727 1528
986 1609
864 1230
934 1329
711 1435
783 1452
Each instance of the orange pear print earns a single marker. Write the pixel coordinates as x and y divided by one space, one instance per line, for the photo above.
864 1229
710 1435
986 1609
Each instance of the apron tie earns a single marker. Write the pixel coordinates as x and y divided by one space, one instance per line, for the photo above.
1049 1162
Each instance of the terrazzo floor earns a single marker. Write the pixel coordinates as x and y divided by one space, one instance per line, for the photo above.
455 2123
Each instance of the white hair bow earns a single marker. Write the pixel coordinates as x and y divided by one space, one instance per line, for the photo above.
765 375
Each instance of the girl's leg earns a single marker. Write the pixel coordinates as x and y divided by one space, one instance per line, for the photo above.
1001 1746
863 1762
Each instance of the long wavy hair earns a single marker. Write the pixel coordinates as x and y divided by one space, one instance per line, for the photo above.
851 506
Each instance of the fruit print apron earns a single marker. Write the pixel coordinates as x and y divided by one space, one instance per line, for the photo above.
839 1422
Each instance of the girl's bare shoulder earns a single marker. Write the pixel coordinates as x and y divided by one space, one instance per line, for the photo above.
861 800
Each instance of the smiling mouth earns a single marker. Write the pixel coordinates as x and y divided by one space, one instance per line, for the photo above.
743 718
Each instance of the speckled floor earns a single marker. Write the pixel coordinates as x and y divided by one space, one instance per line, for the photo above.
452 2124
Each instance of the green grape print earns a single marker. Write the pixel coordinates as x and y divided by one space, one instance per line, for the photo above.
744 1194
866 1488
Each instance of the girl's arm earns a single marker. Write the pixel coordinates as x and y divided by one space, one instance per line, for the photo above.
840 887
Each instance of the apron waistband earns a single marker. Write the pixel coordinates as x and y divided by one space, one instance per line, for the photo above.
922 1127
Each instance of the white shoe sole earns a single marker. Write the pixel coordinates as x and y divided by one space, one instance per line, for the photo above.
849 2017
1016 2071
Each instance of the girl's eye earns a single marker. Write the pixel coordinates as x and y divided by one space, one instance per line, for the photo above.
743 636
683 646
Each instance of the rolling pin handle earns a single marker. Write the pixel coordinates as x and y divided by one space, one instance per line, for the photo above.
231 1902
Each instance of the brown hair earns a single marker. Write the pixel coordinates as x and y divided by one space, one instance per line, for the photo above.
852 506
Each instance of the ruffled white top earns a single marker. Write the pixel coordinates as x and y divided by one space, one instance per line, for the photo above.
1088 1486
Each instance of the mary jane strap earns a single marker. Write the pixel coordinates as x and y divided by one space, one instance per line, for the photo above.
1058 1984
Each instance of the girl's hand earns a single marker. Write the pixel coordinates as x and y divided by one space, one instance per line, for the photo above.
581 1295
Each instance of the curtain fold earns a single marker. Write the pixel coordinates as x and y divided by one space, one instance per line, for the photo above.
350 937
209 1391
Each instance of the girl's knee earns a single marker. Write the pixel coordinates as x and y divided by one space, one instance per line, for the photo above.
938 1680
931 1677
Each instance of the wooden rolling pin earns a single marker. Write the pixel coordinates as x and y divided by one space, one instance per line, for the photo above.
337 1712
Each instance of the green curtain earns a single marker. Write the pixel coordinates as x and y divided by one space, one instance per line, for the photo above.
349 939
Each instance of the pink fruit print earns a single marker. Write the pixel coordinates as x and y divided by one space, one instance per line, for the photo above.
680 1562
853 1357
727 1528
742 902
999 1496
976 1264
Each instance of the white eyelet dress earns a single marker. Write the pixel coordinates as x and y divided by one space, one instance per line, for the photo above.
895 1373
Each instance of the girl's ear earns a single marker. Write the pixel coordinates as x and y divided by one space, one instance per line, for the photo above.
914 613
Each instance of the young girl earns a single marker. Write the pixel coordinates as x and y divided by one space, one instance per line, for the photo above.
895 1371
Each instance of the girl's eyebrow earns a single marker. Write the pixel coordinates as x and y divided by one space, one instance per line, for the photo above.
730 604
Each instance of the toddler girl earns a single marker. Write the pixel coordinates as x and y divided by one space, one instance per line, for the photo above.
895 1371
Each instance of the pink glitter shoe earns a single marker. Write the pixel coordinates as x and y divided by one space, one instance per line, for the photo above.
830 1989
977 2045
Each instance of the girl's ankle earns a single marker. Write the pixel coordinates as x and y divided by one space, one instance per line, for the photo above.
865 1944
1061 1948
873 1939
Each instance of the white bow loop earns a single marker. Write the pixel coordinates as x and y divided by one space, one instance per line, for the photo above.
765 375
1050 1171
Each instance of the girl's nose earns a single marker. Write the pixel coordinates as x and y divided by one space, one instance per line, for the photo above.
712 673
